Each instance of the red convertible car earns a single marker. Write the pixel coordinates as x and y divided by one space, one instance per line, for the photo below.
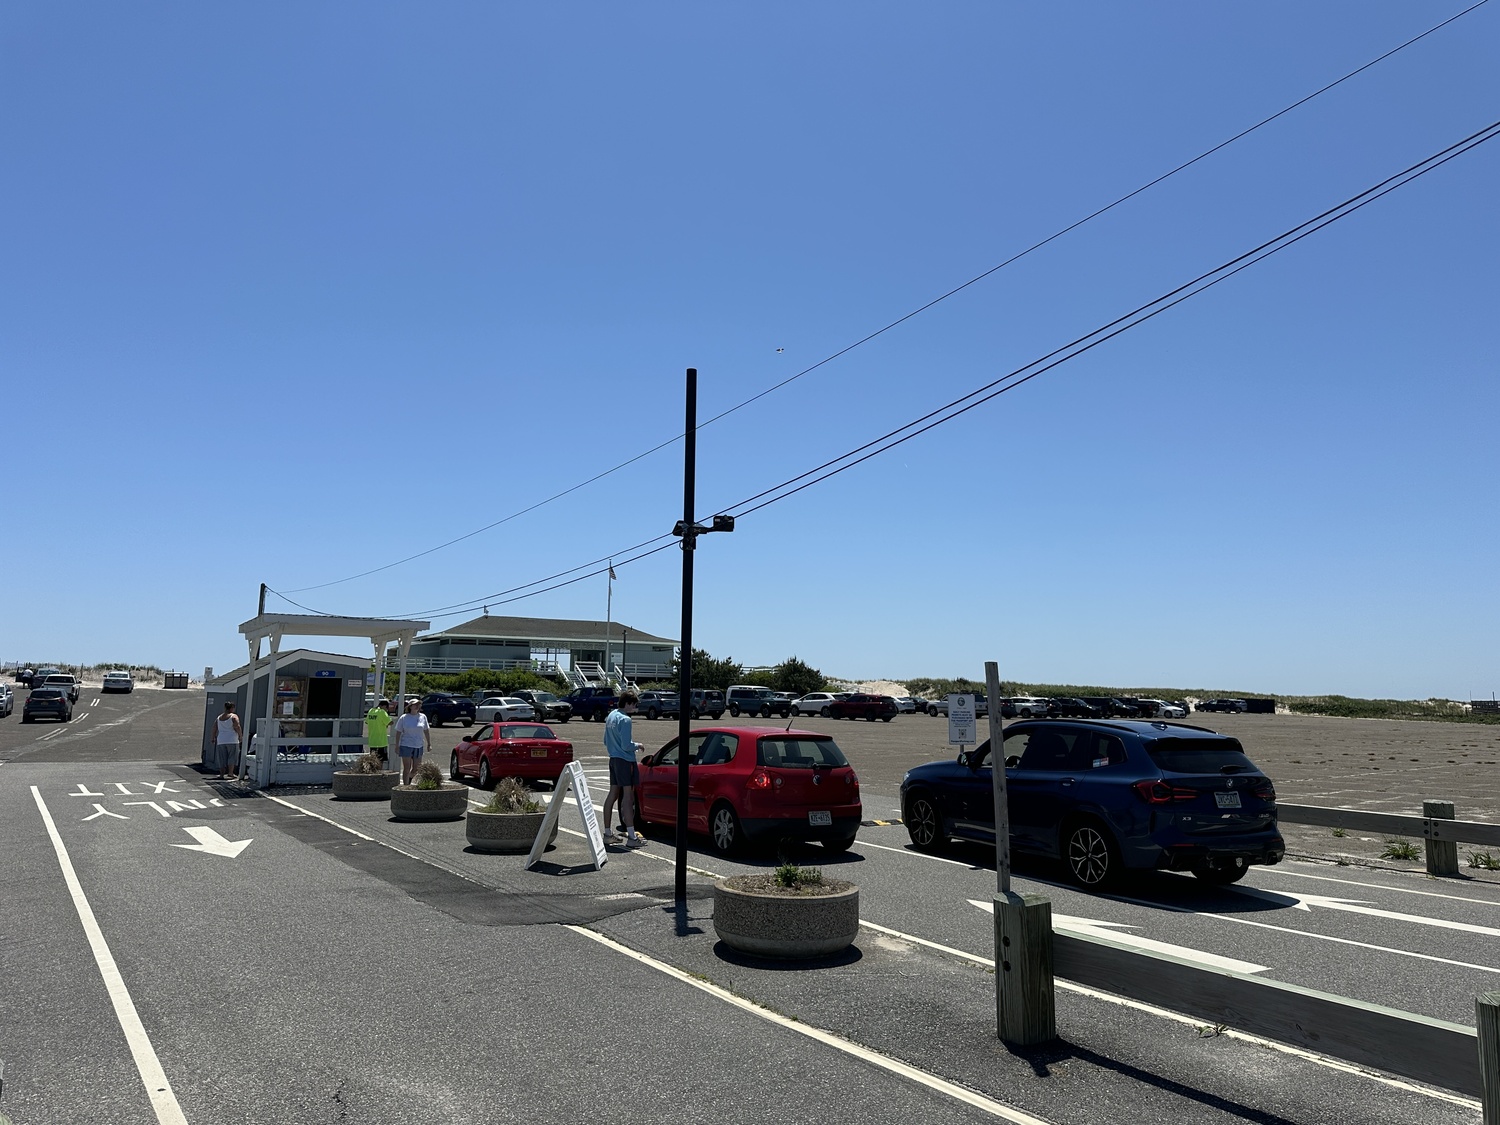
755 783
526 750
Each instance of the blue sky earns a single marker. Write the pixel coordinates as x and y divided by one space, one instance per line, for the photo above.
288 291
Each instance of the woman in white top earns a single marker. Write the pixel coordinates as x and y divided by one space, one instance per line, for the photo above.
413 739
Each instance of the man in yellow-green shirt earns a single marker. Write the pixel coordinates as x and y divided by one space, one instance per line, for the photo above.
377 726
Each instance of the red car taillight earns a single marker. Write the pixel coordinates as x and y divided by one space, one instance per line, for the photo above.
851 779
1160 793
760 779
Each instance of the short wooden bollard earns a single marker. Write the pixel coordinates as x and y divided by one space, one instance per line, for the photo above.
1487 1019
1025 1012
1442 855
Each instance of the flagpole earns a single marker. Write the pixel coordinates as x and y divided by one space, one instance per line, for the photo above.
609 605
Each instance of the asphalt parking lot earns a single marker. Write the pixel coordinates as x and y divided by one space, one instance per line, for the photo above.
342 966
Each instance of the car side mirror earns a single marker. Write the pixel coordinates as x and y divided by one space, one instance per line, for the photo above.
1012 761
468 738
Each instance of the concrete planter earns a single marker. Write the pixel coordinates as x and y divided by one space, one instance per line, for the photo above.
504 833
448 802
764 923
351 786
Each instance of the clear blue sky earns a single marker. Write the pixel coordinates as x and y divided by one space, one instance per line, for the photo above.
292 290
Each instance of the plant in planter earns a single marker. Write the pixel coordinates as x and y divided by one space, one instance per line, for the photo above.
429 797
366 780
509 823
793 912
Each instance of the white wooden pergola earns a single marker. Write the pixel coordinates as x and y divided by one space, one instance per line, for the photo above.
381 632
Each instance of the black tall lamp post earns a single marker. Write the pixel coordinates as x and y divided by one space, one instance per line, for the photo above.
688 531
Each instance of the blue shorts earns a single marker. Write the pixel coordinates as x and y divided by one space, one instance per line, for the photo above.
623 772
413 751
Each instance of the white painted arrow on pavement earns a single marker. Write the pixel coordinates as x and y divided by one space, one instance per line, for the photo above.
1357 906
211 842
1093 927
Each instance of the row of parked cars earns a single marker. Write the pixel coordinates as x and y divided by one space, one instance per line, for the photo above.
595 703
52 695
1100 796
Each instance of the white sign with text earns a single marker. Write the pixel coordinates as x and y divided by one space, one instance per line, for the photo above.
573 780
961 721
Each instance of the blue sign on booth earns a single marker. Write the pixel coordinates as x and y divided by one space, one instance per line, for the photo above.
326 674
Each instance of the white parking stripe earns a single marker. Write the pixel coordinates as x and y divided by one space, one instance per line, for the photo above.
848 1047
1207 914
1278 870
1178 1017
163 1100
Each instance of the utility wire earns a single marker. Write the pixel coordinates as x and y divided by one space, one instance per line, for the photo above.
1132 319
1025 373
499 598
902 319
469 603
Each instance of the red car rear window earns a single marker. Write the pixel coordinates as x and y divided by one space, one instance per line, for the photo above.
526 730
799 753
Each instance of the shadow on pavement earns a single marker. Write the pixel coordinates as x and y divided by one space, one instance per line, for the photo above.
735 957
1042 1059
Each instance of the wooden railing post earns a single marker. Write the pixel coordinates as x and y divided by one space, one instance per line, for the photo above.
1442 855
1487 1019
1025 1010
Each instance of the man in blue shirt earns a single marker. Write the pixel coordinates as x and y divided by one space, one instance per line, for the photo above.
624 774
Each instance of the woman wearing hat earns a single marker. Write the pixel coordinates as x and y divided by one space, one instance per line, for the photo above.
413 739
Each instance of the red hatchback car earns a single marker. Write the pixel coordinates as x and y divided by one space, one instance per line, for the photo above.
525 750
755 783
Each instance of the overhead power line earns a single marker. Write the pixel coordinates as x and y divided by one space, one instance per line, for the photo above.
899 320
1018 376
1132 319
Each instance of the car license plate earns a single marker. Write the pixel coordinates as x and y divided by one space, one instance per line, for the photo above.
1227 800
543 754
817 818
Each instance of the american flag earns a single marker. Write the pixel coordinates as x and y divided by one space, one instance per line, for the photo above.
612 577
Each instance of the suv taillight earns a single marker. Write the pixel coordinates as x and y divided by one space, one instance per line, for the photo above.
1264 789
1160 793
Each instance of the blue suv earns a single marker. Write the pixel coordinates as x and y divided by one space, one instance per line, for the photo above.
1107 796
444 707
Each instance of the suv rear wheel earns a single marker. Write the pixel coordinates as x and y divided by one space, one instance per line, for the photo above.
1090 855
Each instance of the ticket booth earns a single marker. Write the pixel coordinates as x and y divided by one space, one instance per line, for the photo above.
316 718
303 711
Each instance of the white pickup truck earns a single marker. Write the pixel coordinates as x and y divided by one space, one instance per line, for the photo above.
62 680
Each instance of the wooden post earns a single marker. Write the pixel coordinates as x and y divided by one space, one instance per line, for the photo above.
1487 1019
1025 1011
265 764
1442 855
997 776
